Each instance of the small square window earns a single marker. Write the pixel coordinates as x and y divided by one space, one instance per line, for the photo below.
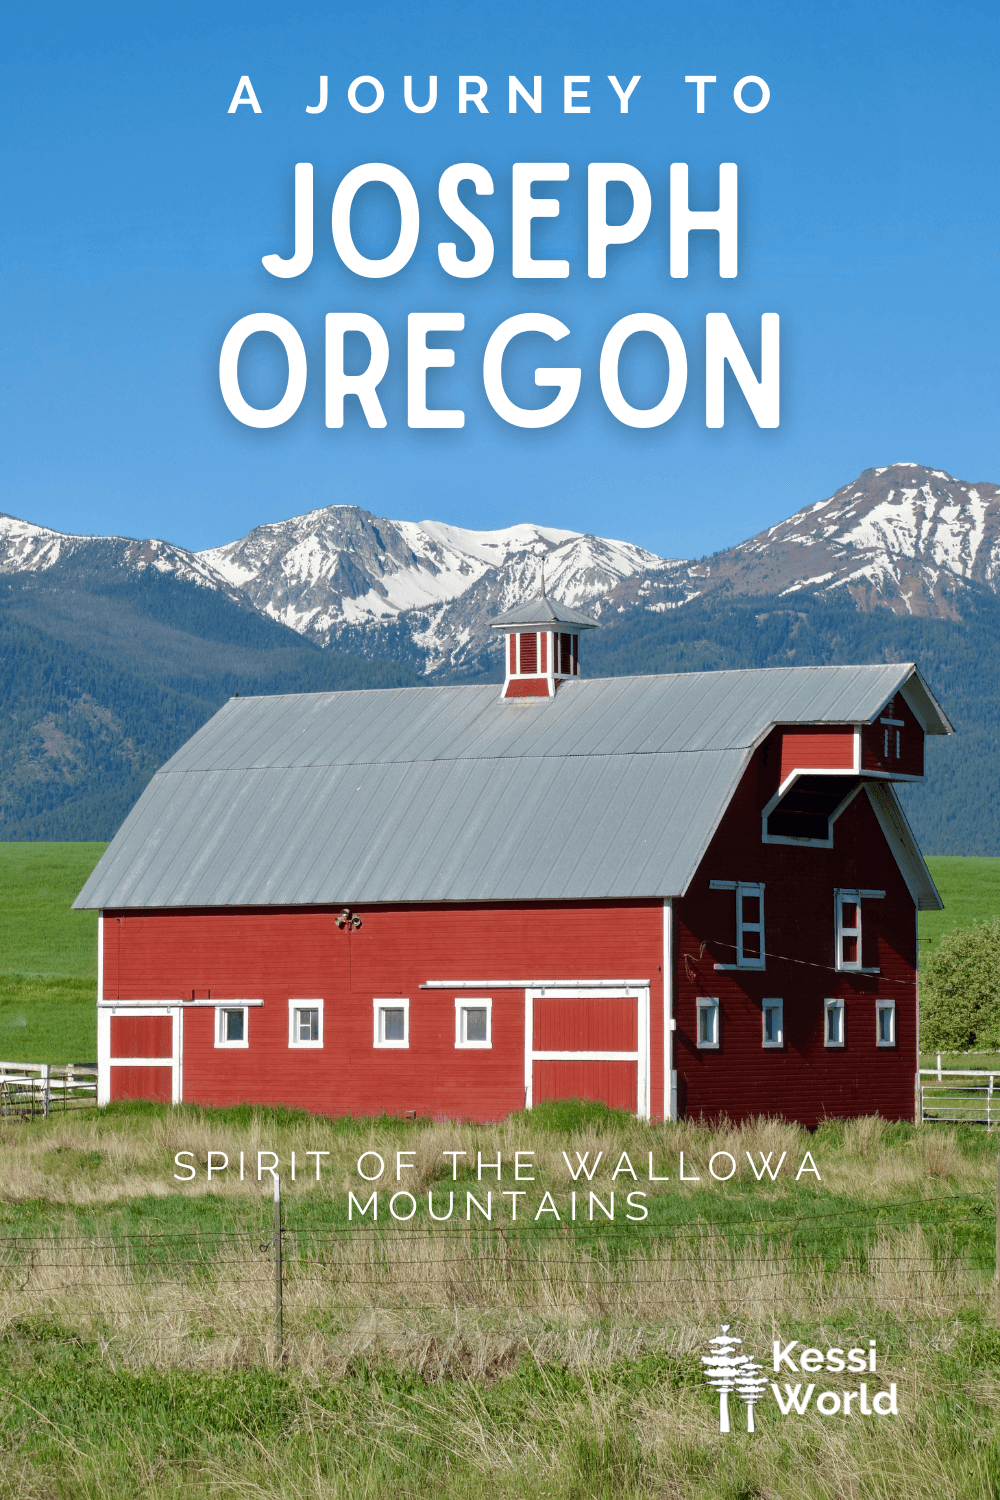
772 1016
708 1023
473 1022
231 1026
392 1023
833 1027
885 1023
305 1023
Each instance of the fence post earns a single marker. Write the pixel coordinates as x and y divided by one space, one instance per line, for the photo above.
939 1067
998 1246
46 1088
279 1334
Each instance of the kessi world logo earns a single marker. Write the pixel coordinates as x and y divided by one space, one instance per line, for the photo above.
732 1371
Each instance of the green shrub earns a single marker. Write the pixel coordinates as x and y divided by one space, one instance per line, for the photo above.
960 990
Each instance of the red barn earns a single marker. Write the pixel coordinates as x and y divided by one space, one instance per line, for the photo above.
685 895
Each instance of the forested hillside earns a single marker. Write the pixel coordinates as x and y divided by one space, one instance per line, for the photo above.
101 684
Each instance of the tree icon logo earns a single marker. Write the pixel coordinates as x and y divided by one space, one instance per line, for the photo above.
727 1370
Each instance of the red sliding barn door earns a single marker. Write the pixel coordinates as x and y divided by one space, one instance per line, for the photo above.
140 1053
588 1045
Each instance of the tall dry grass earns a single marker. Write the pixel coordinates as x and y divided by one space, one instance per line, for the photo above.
82 1160
457 1302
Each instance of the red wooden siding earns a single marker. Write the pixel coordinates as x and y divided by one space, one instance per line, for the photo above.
585 1025
816 749
803 1080
529 652
513 653
141 1036
527 687
613 1083
879 743
274 955
142 1083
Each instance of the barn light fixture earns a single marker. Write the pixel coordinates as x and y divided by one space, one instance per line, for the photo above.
347 917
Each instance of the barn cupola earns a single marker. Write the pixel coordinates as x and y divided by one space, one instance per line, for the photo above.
542 646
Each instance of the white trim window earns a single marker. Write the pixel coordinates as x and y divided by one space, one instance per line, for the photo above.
708 1023
834 1023
895 727
232 1026
473 1022
848 929
848 937
305 1023
392 1022
749 922
773 1023
885 1023
750 926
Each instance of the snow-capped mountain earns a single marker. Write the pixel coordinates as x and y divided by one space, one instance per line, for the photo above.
26 548
340 574
902 537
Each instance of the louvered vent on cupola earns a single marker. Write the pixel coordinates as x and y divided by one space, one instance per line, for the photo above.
542 647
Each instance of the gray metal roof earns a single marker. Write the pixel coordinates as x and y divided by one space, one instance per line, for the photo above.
610 790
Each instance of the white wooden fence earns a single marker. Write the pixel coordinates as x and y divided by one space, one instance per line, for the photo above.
31 1089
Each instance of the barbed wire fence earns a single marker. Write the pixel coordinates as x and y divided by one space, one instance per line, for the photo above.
404 1267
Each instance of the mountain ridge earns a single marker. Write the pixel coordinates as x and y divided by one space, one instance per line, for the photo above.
902 536
911 547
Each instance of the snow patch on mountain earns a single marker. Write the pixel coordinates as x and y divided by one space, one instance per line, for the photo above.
341 570
26 548
903 536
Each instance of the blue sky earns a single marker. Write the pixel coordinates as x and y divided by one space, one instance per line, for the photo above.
137 210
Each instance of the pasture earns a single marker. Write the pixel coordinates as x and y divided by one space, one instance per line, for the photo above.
528 1358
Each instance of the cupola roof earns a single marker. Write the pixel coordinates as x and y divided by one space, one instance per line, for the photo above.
543 614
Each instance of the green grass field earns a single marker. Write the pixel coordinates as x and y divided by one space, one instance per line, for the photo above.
464 1359
970 889
48 953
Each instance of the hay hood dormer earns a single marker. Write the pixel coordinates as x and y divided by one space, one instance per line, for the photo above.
543 646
